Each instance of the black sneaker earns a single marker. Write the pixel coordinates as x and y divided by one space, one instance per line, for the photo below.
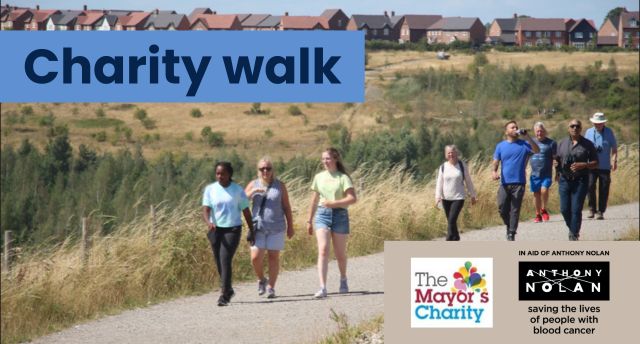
592 214
599 216
222 301
574 237
511 236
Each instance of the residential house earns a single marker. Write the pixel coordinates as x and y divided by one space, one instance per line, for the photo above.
193 16
582 33
629 36
541 31
135 21
503 31
337 20
414 26
450 29
297 23
381 27
63 21
251 23
107 22
15 18
166 20
271 23
39 19
87 19
207 22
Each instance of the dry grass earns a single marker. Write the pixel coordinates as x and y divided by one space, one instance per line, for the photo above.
50 288
390 62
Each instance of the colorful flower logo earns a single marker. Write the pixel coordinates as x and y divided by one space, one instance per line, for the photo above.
467 278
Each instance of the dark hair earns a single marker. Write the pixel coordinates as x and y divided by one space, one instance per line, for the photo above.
227 166
336 155
511 121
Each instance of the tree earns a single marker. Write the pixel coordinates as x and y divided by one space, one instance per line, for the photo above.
614 14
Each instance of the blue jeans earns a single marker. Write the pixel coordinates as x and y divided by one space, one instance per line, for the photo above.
572 195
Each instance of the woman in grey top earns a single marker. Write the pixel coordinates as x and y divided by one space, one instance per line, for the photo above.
269 215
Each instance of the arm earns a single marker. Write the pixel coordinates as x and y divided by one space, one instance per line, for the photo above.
286 206
494 173
348 199
534 145
247 217
614 155
312 211
250 190
206 215
439 186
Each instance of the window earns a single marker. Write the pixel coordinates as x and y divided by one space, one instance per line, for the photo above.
578 45
339 22
527 33
558 45
527 44
633 22
578 35
558 34
548 34
627 35
365 31
386 31
538 34
374 32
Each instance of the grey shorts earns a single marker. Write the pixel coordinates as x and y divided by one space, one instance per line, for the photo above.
273 241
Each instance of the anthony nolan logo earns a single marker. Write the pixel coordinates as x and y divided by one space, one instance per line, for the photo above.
451 292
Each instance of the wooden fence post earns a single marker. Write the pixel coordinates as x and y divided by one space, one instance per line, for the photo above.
8 252
152 214
85 241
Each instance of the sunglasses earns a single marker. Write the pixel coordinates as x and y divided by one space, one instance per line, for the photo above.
265 169
574 126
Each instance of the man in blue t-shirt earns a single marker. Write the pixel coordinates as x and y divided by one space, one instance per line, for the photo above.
540 179
513 153
607 147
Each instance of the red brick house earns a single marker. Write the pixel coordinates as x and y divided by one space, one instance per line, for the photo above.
135 21
38 22
288 22
629 36
87 19
207 22
450 29
15 18
414 26
542 31
379 27
503 31
336 19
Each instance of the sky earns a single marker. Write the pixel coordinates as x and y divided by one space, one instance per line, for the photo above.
487 10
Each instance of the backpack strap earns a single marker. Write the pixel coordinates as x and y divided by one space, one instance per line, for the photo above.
461 170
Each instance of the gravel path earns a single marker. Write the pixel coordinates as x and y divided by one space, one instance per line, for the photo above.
295 317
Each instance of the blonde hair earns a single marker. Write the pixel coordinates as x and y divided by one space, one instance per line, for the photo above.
266 159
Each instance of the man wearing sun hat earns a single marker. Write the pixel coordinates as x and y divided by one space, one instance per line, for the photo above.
605 142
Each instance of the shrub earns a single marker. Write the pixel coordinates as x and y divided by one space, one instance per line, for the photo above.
100 112
148 123
47 121
100 136
480 59
215 139
196 113
140 114
257 110
268 133
188 136
26 110
294 110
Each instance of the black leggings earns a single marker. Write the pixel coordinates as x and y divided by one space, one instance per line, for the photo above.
224 242
452 210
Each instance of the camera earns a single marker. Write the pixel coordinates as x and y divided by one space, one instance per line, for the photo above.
522 132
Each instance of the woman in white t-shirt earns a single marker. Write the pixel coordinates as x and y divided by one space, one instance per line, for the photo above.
453 176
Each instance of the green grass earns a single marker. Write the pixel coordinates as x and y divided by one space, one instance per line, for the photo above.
99 122
348 333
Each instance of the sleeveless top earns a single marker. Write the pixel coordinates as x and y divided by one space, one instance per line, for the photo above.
273 219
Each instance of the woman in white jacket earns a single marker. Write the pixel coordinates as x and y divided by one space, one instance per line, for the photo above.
453 176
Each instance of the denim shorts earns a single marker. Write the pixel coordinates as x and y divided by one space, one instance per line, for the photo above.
334 219
535 183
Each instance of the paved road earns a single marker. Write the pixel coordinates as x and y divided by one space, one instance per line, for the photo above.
295 317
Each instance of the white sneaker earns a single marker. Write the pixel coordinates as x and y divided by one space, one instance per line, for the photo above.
321 294
271 293
262 286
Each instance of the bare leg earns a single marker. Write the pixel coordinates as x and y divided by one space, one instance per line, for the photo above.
324 239
274 267
257 255
545 197
340 251
538 201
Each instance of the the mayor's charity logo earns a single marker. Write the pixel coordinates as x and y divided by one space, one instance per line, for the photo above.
451 292
563 281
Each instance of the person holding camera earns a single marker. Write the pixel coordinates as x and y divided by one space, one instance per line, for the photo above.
607 147
541 175
223 203
270 209
576 155
333 192
453 176
513 153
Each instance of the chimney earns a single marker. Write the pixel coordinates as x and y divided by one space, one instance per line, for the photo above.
157 11
286 14
393 13
215 12
84 7
37 7
386 14
515 16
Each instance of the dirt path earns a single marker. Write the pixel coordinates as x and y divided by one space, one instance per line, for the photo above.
295 317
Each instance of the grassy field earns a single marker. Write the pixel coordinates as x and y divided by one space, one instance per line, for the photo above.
50 288
278 132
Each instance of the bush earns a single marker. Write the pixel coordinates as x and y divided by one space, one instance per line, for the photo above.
100 113
480 59
140 114
268 133
188 136
196 113
26 110
294 110
47 121
148 123
100 136
257 110
215 139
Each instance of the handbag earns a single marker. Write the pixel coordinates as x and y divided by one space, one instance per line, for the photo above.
257 221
